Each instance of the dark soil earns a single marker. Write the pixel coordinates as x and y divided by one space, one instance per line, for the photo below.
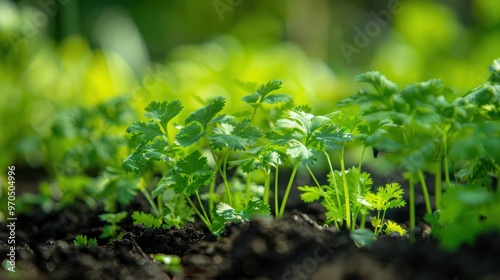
294 247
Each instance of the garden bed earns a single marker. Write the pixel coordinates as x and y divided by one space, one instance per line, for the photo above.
294 247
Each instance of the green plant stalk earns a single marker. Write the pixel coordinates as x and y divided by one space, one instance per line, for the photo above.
276 206
159 200
211 193
346 190
267 183
146 195
363 221
446 171
288 188
253 114
438 185
382 221
335 185
425 192
201 205
205 221
412 210
247 189
312 176
361 159
328 200
376 229
446 168
224 179
363 215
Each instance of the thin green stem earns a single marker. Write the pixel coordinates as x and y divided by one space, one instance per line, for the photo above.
159 200
312 176
211 194
201 205
205 221
247 189
267 183
221 172
328 200
446 171
253 114
425 192
346 190
438 185
412 209
363 221
382 222
146 195
276 206
361 159
446 167
288 188
335 185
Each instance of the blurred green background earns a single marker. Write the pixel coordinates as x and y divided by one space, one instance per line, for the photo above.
61 59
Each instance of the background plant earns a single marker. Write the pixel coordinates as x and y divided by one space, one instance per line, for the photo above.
419 128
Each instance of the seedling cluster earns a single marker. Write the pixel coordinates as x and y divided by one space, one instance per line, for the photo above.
227 167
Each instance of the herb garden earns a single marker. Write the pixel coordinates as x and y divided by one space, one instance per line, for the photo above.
259 184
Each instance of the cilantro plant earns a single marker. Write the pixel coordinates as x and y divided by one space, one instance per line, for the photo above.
83 242
425 128
387 197
112 230
86 148
197 158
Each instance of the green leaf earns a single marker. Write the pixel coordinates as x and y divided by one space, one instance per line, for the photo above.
80 241
372 132
277 98
135 162
394 227
113 218
118 187
332 137
252 99
92 243
142 133
225 213
163 112
387 197
164 183
192 163
206 115
379 82
143 155
190 174
363 237
296 149
310 194
270 86
147 219
495 71
235 136
190 134
261 158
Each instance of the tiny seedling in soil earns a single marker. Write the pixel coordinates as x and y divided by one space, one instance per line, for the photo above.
112 230
82 242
